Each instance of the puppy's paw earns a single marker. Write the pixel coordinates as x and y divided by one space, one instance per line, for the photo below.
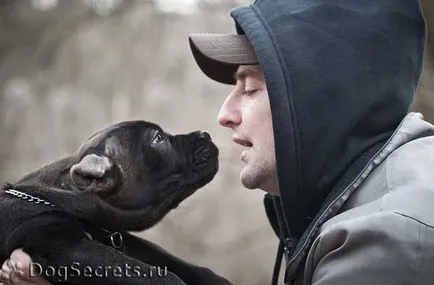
16 270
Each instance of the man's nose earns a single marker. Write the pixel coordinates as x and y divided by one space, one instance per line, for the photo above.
229 115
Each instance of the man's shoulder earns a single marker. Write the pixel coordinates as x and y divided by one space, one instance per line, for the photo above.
391 222
403 184
381 231
382 247
387 220
410 202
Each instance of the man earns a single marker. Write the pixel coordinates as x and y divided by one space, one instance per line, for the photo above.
351 168
322 90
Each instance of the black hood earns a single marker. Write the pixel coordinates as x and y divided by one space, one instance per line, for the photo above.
341 75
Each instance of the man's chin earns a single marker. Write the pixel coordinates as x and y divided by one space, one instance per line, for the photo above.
249 179
255 178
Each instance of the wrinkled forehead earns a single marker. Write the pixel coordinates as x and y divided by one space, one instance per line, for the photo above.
114 134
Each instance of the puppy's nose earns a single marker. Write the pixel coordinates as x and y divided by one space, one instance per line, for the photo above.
204 135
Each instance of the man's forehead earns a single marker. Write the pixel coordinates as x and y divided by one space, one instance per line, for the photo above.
244 71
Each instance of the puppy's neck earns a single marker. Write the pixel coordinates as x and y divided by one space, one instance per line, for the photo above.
54 175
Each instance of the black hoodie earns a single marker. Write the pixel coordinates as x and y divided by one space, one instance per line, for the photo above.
341 75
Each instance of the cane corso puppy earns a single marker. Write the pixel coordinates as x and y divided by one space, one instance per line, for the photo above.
72 216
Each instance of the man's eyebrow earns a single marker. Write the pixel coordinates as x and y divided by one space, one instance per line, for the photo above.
240 75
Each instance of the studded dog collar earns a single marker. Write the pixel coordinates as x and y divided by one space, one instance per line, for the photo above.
115 238
27 197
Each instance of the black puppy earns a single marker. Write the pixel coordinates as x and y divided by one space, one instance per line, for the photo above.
72 215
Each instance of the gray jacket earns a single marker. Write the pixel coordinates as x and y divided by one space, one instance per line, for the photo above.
384 232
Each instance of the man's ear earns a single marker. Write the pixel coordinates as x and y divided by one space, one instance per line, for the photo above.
94 173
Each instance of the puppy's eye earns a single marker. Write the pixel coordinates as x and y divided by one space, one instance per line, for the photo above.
158 138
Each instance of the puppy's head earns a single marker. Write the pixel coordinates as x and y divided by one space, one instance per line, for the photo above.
136 165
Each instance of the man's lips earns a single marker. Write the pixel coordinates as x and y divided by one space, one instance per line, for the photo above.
242 142
245 143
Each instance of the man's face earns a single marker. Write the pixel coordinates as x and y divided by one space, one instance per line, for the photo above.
247 112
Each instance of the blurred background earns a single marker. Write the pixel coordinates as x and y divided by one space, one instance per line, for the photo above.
69 68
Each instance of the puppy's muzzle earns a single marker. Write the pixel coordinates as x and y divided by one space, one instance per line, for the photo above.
203 135
205 153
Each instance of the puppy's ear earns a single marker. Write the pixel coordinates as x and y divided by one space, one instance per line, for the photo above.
94 173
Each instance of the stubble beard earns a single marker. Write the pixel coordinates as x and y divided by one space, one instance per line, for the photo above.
256 176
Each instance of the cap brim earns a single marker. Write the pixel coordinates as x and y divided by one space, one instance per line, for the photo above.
219 55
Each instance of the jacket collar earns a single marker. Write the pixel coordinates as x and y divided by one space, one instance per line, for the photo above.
412 127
